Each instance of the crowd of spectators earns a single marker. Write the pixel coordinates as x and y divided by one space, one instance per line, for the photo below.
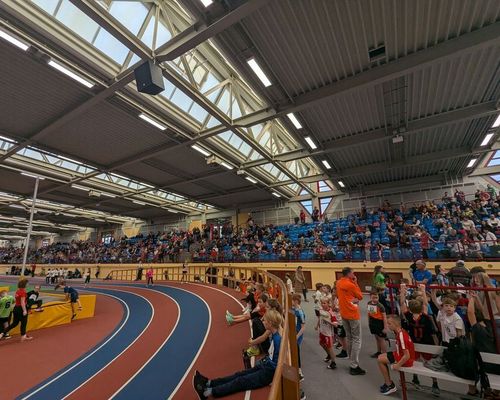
451 227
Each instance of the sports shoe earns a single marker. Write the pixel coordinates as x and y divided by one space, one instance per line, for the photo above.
415 381
435 390
229 319
302 395
25 338
253 351
327 359
342 354
199 385
388 389
375 355
39 310
7 336
332 365
301 377
357 371
73 316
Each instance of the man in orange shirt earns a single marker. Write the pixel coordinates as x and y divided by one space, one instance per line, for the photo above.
349 295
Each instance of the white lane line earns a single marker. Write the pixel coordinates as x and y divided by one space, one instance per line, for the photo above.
248 393
125 349
88 355
202 344
159 348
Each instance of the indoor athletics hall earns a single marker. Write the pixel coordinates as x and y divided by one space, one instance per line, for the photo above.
249 199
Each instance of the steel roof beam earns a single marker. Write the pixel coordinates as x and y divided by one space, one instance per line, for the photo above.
474 40
198 33
363 138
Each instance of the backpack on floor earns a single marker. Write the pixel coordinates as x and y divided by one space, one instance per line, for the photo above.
464 361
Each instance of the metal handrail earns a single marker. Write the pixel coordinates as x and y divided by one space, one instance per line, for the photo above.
287 359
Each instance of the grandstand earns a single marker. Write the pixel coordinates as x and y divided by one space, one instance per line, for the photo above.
250 135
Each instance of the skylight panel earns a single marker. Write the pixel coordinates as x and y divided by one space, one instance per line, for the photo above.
259 72
206 3
71 74
486 139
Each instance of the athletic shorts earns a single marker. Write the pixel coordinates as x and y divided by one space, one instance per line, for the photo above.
393 358
340 331
74 298
325 341
376 327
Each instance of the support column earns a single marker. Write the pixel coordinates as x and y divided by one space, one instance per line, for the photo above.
30 225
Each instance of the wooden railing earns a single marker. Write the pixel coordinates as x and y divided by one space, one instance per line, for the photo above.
285 385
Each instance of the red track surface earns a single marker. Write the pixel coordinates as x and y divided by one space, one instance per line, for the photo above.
108 381
35 361
30 363
221 354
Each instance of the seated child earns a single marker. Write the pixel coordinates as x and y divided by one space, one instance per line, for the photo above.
449 322
402 357
259 376
257 312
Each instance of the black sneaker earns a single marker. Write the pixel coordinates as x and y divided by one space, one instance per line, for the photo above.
301 377
327 359
332 365
199 386
388 389
357 371
342 354
375 355
302 395
201 378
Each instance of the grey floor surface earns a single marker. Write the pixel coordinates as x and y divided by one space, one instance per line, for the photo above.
321 383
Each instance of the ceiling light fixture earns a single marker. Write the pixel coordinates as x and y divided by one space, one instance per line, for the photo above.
276 194
33 176
295 121
138 202
108 194
250 179
486 139
206 3
226 165
310 142
71 74
341 184
151 121
12 40
497 122
259 72
471 163
200 150
326 164
81 187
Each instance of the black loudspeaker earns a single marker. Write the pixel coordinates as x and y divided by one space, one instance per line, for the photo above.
148 78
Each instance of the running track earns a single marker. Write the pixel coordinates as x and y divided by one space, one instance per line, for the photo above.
164 334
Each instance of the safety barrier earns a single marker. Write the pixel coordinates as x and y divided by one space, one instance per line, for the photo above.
285 385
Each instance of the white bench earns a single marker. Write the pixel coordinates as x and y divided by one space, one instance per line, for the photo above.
418 368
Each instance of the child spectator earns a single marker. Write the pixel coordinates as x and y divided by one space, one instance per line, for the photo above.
419 325
71 295
327 324
259 376
449 322
377 322
87 277
402 357
317 299
300 325
20 312
339 330
289 283
257 312
6 306
33 299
